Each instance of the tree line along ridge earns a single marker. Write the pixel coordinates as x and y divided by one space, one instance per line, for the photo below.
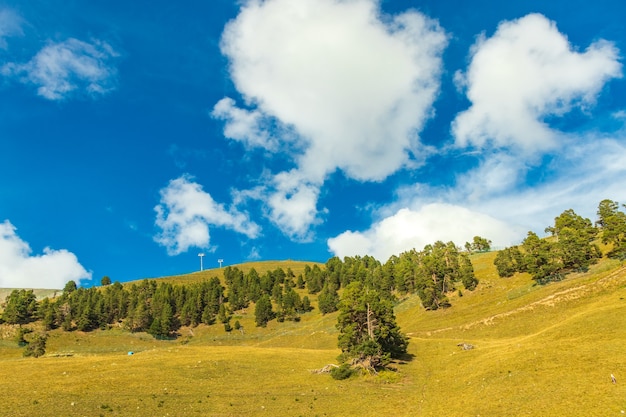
369 289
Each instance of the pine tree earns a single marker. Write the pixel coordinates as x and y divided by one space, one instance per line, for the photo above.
37 346
291 304
300 282
263 312
368 332
306 304
466 273
612 224
509 261
541 259
328 299
20 307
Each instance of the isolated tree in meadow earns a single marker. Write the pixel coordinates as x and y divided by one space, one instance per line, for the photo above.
368 333
105 281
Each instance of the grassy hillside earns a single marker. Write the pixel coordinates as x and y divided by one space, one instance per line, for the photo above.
39 293
261 267
538 351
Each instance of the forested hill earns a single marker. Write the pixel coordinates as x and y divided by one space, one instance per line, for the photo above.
162 306
284 291
538 328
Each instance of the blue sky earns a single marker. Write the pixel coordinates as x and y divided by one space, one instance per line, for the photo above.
135 135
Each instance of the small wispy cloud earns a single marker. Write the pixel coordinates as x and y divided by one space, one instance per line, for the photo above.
186 212
10 25
69 68
19 268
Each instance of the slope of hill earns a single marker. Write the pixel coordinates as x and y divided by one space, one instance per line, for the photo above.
538 351
39 293
297 267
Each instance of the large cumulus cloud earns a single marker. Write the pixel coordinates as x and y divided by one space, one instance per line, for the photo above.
354 89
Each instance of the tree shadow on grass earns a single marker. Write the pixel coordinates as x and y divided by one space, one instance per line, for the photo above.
404 358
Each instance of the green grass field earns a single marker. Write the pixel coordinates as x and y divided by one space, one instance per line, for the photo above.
538 351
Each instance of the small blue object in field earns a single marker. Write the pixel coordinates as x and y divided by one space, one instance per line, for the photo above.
131 353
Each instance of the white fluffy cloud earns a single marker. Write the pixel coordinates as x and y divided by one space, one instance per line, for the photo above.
407 229
493 201
526 72
355 88
20 269
67 68
185 213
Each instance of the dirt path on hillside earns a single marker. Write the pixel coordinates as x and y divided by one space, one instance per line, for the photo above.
612 280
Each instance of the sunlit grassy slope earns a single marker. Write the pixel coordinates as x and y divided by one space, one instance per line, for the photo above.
297 267
538 351
39 293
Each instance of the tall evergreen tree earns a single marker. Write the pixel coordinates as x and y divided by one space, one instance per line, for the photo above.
328 299
612 224
368 332
263 311
20 307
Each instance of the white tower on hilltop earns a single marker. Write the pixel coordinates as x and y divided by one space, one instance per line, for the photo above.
220 262
201 255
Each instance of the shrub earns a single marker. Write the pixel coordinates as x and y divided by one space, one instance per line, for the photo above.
342 372
37 347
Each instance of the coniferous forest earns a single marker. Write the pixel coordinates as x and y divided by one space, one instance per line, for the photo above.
369 289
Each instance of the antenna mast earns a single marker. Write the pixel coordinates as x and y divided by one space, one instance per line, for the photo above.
201 255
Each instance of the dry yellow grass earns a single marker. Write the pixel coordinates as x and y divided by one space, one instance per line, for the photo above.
539 351
39 293
297 267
